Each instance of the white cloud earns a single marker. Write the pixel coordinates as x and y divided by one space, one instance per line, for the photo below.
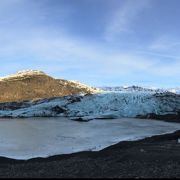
63 53
55 50
123 18
159 55
164 43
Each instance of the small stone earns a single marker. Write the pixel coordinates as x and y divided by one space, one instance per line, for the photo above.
142 150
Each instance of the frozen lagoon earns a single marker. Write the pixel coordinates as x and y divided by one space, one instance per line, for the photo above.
43 137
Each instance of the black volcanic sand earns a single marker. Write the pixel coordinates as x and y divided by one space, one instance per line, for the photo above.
158 156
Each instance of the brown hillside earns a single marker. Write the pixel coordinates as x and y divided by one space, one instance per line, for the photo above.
33 85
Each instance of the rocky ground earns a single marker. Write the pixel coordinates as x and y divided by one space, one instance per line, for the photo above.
157 156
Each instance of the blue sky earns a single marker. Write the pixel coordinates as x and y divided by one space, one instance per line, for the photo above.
98 42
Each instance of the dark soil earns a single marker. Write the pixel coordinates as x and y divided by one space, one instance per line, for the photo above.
155 157
174 117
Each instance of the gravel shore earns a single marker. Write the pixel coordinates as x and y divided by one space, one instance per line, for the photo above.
157 156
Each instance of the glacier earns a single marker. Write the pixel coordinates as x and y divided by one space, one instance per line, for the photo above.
100 106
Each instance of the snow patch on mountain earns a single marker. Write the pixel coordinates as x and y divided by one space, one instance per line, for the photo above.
175 90
140 89
23 73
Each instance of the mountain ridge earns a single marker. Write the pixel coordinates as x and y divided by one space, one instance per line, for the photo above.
34 85
135 88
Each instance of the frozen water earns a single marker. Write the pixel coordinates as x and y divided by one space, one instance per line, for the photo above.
43 137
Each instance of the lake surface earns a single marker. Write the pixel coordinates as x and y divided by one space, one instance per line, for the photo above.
43 137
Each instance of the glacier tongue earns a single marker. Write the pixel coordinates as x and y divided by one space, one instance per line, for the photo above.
102 105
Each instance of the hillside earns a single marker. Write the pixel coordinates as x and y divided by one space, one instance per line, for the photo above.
33 85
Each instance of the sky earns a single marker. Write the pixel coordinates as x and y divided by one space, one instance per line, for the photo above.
97 42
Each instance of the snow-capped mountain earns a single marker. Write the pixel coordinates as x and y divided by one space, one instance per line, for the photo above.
175 90
140 89
59 97
34 84
131 89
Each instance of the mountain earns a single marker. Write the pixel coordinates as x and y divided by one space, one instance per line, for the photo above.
139 89
175 90
33 85
131 89
59 97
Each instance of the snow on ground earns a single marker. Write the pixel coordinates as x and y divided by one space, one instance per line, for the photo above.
21 74
43 137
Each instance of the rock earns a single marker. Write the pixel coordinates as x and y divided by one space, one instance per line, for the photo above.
58 110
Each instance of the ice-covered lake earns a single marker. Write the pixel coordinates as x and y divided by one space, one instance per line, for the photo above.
42 137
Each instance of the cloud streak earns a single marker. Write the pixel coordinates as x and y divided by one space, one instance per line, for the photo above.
164 43
75 53
31 43
123 17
